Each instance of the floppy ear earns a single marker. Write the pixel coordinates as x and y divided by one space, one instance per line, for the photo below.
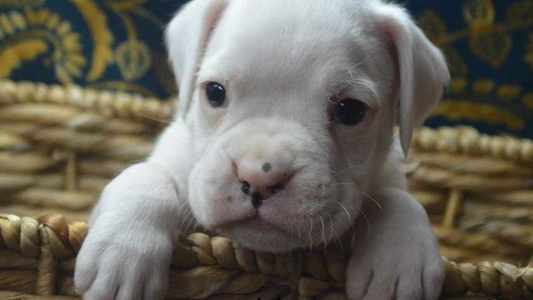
421 67
186 37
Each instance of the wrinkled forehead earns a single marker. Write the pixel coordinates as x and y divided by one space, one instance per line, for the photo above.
289 42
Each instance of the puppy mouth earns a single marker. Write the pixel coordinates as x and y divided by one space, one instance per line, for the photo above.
253 221
257 234
272 218
274 228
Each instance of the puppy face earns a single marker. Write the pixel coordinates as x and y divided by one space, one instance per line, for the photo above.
292 108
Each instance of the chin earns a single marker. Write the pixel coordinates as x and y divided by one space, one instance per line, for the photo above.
257 235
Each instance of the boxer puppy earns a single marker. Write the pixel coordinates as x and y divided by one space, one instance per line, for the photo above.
283 139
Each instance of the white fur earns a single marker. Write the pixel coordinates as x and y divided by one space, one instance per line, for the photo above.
284 64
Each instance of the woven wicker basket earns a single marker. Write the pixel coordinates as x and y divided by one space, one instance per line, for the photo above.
59 146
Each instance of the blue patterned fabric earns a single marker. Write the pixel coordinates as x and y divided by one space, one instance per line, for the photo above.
108 44
489 46
117 44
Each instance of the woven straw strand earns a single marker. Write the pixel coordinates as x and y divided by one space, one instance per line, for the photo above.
469 141
107 103
202 258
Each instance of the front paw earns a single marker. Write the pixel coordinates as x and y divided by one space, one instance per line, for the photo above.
123 266
401 270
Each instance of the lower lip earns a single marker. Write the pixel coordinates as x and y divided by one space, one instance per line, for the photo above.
255 222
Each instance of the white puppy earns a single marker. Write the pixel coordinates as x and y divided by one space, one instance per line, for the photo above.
284 136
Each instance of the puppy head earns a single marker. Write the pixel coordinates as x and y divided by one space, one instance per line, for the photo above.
292 106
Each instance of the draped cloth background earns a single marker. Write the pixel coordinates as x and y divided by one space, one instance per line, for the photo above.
118 45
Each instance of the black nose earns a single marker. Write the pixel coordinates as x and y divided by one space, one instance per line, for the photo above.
257 198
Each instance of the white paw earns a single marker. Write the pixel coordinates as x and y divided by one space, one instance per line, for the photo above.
398 269
122 265
128 250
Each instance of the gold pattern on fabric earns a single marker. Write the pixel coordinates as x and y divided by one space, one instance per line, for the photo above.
479 13
508 91
13 56
124 5
483 86
133 59
489 37
434 28
491 42
101 34
520 14
33 33
87 42
491 45
528 100
458 85
132 56
479 112
21 3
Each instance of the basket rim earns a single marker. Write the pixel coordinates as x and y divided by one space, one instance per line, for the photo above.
51 234
112 104
117 104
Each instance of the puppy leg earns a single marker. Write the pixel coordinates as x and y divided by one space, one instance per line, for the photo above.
128 249
397 255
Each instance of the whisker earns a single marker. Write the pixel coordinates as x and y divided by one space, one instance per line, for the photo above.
299 233
366 219
180 212
359 63
374 200
345 210
189 224
323 231
342 183
347 169
359 191
331 231
338 239
310 234
184 220
154 119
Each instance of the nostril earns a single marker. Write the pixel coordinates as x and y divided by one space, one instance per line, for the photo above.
246 188
257 199
263 177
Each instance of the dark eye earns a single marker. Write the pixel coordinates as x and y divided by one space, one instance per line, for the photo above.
350 112
216 94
